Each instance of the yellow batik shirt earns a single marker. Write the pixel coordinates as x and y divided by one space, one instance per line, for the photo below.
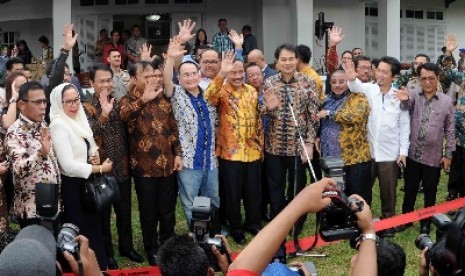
310 72
353 138
240 135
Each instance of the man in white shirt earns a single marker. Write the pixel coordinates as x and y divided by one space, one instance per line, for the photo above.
388 130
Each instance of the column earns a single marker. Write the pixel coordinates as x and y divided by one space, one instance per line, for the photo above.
61 16
305 24
389 27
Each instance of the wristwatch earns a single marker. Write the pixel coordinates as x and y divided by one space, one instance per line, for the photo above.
372 237
12 100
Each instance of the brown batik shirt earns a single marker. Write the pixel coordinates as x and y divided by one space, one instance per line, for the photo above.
111 136
154 135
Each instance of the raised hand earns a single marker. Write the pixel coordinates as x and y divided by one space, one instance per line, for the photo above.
227 64
69 39
175 49
237 39
401 94
271 99
14 91
185 30
45 140
152 90
145 52
106 103
451 42
351 74
335 36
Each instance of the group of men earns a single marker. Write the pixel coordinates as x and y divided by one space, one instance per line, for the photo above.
242 132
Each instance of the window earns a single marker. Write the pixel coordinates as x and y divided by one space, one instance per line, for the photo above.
94 2
126 2
9 38
187 1
371 11
156 1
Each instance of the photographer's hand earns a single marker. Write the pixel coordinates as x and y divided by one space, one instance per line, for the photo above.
258 253
223 260
424 267
90 266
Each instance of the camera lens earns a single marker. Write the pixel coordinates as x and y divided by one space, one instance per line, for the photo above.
423 241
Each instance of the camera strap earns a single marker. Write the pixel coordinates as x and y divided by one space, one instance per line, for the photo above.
298 251
79 261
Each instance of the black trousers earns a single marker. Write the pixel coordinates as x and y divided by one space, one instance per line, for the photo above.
414 174
358 179
316 168
89 223
456 184
157 205
242 181
276 169
123 221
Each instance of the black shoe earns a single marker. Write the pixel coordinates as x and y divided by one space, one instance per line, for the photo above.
153 260
133 256
112 264
451 197
238 238
388 233
420 189
404 227
425 229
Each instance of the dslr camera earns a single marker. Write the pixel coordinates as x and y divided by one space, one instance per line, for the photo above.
338 220
202 225
66 243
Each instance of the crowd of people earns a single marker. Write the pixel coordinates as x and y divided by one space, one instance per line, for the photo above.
224 124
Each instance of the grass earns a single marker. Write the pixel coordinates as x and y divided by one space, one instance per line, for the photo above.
339 254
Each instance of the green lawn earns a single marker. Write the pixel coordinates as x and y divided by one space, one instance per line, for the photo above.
337 263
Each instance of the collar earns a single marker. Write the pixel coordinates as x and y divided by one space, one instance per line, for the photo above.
26 121
434 96
264 68
281 77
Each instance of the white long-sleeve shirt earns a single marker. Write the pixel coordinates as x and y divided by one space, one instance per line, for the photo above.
71 150
388 125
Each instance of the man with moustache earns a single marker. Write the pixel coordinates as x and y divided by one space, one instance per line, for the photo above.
155 154
110 134
240 144
30 151
196 120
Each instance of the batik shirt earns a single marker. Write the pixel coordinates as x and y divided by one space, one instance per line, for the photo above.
240 134
330 129
310 72
153 134
222 43
282 137
197 131
110 135
29 165
460 121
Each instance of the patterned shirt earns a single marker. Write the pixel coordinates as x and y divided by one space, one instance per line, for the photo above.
132 47
431 121
29 165
332 60
154 136
330 129
353 117
460 121
411 81
222 43
310 72
240 134
196 122
282 137
110 135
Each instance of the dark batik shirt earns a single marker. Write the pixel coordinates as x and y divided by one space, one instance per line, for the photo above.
153 134
111 136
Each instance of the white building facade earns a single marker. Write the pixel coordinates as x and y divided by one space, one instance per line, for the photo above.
393 27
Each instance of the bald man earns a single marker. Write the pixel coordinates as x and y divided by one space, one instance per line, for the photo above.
256 56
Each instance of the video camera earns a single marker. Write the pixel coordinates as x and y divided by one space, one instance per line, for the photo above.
338 220
202 225
454 234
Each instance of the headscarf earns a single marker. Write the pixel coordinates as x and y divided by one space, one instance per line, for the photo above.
79 125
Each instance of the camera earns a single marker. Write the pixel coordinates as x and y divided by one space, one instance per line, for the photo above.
47 211
338 220
203 225
442 223
66 243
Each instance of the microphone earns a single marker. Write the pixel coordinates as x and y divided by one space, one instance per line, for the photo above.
287 89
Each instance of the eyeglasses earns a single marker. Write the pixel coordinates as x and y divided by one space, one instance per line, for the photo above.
426 79
38 101
256 75
209 62
76 101
190 75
